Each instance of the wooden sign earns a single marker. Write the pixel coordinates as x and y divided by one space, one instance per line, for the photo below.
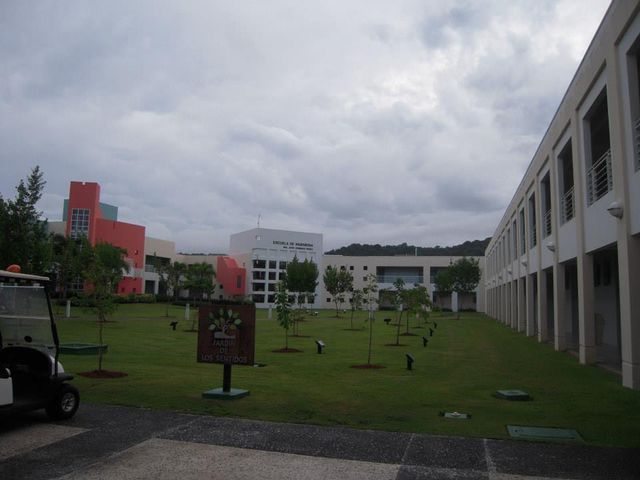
226 334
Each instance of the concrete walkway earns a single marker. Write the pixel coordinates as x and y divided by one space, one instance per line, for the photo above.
121 442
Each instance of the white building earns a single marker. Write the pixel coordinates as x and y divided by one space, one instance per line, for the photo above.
564 262
264 253
412 270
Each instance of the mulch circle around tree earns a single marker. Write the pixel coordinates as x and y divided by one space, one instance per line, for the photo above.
394 345
102 374
287 350
368 366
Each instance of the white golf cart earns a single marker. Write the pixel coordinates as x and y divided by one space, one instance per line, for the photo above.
31 377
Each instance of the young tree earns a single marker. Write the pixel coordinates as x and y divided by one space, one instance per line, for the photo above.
337 283
66 266
199 281
283 311
398 299
370 293
417 301
172 276
465 275
444 282
301 280
103 270
356 300
23 235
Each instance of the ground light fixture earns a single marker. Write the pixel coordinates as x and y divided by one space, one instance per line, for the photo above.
320 345
425 340
615 209
410 361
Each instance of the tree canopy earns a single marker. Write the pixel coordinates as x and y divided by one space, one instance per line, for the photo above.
23 234
337 283
472 248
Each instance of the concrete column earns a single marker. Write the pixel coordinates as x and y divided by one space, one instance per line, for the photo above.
513 302
522 304
586 320
543 331
454 301
559 302
629 276
530 324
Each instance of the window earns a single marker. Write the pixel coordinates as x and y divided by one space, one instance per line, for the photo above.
523 238
565 172
272 275
533 235
258 298
351 267
259 275
79 222
328 299
342 268
271 298
365 268
272 264
259 264
283 265
364 279
599 176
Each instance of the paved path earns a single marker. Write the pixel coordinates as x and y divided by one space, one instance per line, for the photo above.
121 442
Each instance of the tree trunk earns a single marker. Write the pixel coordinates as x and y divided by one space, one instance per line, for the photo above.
100 349
370 337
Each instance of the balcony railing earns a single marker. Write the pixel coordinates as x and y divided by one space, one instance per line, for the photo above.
408 279
599 178
567 206
637 138
546 219
533 239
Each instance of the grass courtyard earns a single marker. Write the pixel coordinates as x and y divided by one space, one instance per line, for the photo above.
465 362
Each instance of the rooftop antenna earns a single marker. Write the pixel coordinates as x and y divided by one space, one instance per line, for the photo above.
259 216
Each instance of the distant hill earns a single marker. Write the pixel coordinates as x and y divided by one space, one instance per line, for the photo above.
473 248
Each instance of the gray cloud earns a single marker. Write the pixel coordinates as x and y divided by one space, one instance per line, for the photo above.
367 121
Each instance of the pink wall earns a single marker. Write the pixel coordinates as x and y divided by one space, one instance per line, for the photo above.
230 276
124 235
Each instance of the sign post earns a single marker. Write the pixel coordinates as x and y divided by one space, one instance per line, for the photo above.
226 335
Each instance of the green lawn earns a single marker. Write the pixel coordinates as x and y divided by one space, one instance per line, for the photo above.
466 361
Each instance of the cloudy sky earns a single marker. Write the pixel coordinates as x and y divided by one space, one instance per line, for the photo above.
368 121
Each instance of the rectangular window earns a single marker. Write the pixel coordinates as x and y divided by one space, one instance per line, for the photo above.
79 222
599 177
351 267
365 268
272 264
283 265
272 275
259 264
523 238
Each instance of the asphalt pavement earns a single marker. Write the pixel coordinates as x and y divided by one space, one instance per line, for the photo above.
105 442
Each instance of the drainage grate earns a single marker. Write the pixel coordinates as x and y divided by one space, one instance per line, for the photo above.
513 395
543 433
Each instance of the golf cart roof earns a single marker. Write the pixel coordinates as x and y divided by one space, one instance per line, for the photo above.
22 276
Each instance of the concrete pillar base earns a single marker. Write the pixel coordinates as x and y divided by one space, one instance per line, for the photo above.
587 354
631 375
560 343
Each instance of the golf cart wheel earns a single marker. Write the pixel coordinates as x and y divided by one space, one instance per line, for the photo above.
65 403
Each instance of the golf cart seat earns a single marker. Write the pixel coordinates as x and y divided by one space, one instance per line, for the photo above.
29 368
